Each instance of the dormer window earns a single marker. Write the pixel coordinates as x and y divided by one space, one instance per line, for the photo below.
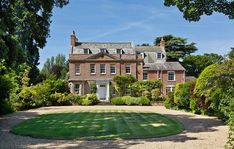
87 51
159 55
103 50
119 51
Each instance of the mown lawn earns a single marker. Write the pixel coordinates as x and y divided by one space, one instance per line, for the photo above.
99 124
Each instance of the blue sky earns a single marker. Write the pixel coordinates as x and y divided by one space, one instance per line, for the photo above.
138 21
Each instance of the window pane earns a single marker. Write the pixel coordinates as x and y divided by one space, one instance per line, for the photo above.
102 68
112 68
159 55
92 68
77 68
127 68
119 51
171 75
145 75
77 88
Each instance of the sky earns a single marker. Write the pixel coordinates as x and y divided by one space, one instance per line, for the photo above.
137 21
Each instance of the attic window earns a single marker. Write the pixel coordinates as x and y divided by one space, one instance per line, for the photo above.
119 51
159 55
87 51
103 50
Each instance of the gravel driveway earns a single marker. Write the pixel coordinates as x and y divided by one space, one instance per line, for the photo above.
201 132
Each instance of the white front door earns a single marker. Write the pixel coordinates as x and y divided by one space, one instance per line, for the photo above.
102 91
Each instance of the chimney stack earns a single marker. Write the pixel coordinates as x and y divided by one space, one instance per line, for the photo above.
162 43
73 39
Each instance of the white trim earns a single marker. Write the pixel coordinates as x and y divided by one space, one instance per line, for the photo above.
100 68
168 76
77 73
115 68
94 68
129 68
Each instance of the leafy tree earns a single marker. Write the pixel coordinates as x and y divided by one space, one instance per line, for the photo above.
195 64
24 27
176 47
122 83
231 54
193 9
55 68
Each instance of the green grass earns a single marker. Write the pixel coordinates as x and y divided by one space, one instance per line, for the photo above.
99 124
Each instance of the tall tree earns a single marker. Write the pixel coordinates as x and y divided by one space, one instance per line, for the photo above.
24 27
193 9
195 64
176 47
55 68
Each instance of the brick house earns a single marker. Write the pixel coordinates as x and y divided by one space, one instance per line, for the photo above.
98 62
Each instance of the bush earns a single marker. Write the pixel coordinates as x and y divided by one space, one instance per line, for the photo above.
93 88
89 99
128 100
169 100
123 83
117 101
146 94
59 99
73 98
155 94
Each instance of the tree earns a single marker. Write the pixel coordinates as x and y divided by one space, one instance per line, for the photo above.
193 9
122 83
176 47
24 27
231 54
55 68
195 64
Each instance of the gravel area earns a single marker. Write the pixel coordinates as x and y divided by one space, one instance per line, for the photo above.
201 132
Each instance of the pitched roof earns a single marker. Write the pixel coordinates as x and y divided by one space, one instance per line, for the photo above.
164 66
104 44
149 48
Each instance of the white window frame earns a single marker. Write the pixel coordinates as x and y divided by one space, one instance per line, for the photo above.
88 51
104 69
114 69
77 69
168 75
171 88
129 68
158 56
77 91
93 68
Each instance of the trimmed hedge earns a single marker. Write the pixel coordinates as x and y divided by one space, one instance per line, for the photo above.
128 100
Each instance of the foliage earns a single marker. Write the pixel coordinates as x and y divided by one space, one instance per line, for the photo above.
23 31
183 93
117 101
55 68
8 86
123 83
176 47
195 64
155 94
144 88
202 81
89 99
73 98
93 88
231 54
169 100
193 10
59 99
128 100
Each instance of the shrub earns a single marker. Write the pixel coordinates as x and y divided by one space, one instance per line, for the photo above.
93 88
73 98
128 100
155 94
117 101
123 83
59 99
146 94
89 99
169 100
